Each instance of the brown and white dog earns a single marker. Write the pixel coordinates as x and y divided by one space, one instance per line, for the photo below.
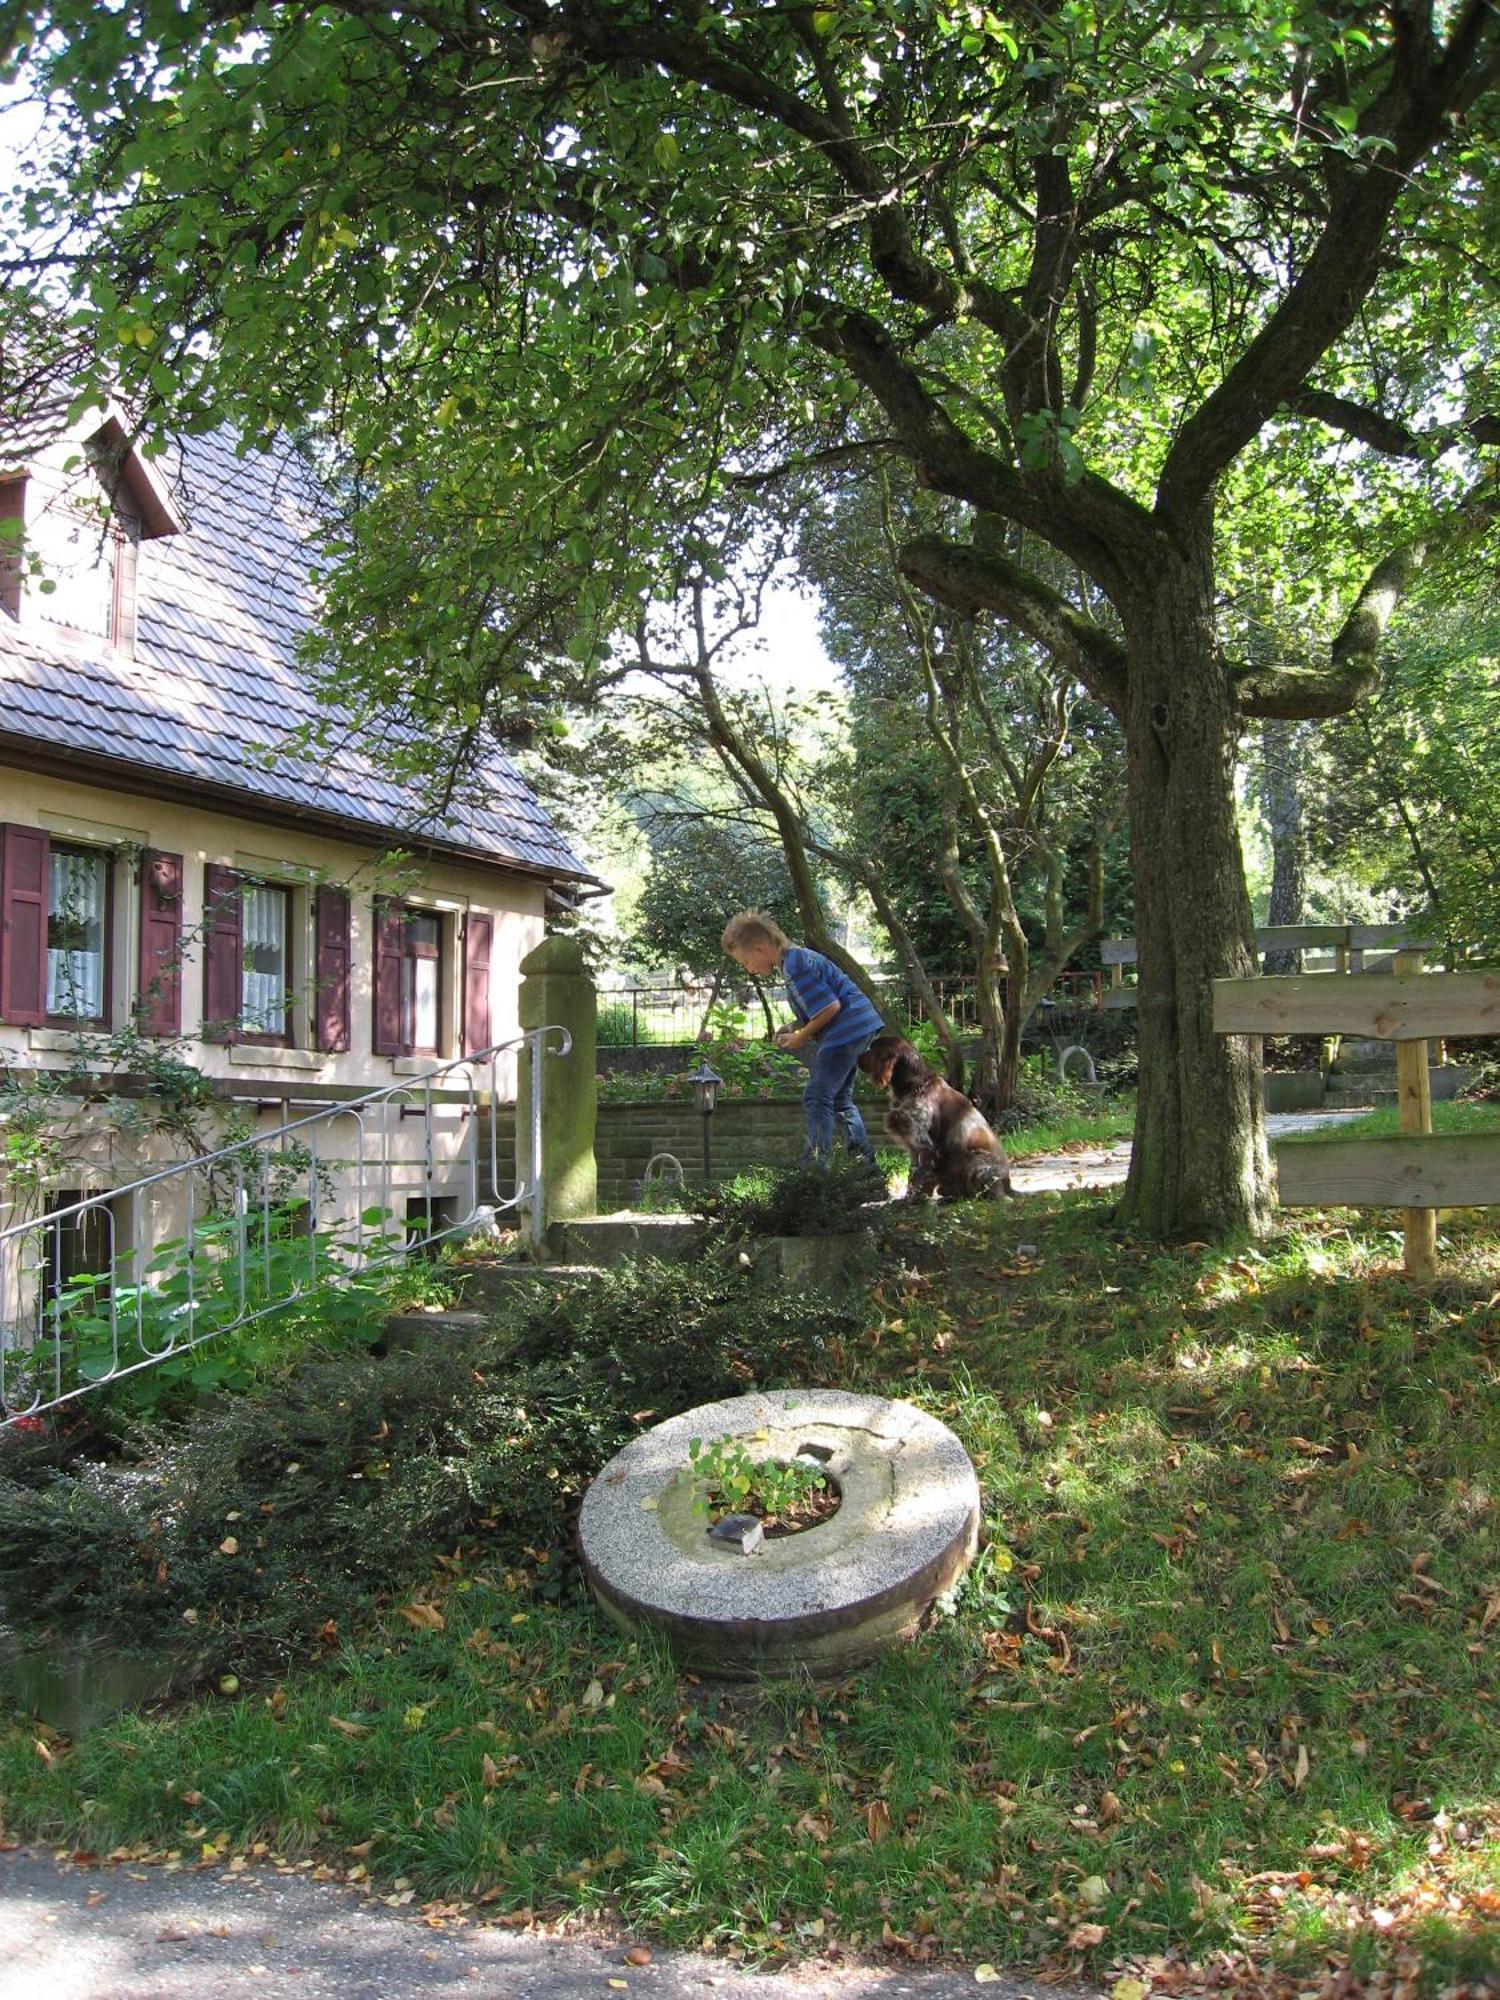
954 1153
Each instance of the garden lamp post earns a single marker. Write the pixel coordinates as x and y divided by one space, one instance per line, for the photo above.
705 1082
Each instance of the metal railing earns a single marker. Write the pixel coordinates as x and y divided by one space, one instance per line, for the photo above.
642 1015
263 1223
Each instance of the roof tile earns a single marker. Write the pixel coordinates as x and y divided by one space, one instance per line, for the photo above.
215 684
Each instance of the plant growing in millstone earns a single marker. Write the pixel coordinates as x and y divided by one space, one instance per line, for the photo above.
786 1494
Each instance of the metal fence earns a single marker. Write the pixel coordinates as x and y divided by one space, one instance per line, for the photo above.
86 1298
637 1016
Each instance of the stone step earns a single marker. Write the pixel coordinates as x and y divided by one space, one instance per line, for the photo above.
492 1286
1370 1088
1356 1053
607 1239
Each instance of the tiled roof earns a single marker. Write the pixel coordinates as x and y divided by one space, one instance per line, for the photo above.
215 686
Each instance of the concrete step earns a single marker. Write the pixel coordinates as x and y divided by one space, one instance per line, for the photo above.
607 1239
489 1287
1370 1088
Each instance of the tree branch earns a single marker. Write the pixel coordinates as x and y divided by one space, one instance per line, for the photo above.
970 580
1353 669
1424 88
1389 434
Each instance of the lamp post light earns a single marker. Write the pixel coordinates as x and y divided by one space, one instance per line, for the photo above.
706 1083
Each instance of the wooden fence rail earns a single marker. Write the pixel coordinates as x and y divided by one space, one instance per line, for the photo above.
1415 1172
1347 942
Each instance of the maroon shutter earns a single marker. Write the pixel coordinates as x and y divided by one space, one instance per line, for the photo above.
390 948
223 953
160 1004
478 932
331 972
24 873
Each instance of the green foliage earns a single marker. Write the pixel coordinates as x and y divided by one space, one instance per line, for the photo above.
305 1498
615 1024
1405 801
730 1479
821 1199
702 870
124 1086
226 1310
752 1068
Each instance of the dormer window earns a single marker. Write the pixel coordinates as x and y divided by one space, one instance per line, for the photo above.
84 508
88 556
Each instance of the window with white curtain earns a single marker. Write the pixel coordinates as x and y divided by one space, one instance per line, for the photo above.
77 934
422 982
264 980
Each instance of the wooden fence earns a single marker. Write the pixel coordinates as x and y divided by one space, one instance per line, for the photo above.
1347 944
1415 1171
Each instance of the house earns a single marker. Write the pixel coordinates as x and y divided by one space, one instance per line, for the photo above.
177 864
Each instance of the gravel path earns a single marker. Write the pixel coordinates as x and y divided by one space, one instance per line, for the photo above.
123 1933
1106 1166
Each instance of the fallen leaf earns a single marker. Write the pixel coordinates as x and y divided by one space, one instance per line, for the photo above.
878 1819
637 1955
424 1617
986 1975
348 1728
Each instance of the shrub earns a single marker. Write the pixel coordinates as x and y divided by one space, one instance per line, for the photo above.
270 1513
616 1025
794 1201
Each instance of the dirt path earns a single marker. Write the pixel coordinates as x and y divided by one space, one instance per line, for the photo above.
73 1933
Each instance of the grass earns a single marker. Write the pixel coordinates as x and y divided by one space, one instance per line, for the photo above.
1385 1123
1222 1678
1059 1133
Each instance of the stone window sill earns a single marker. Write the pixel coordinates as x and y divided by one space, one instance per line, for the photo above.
265 1056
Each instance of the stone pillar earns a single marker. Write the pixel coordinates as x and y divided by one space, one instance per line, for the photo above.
557 992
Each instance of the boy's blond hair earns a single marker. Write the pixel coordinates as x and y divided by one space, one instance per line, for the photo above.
753 927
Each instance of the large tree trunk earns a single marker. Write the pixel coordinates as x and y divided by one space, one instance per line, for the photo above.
1282 745
1198 1164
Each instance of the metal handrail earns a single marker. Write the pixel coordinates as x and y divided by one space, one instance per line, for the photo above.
37 1286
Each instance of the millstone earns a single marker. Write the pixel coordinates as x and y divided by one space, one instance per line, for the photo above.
831 1597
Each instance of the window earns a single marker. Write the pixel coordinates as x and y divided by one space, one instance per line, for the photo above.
264 975
78 898
411 979
79 1244
421 982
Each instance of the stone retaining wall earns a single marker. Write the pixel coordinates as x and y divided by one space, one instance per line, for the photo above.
745 1134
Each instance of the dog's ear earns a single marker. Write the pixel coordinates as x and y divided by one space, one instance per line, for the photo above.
908 1071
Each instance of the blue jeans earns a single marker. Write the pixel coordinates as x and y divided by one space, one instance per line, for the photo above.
828 1100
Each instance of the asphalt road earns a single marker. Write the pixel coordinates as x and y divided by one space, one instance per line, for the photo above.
123 1933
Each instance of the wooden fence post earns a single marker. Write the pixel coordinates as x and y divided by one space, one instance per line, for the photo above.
1414 1111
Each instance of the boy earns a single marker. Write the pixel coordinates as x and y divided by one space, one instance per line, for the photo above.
835 1020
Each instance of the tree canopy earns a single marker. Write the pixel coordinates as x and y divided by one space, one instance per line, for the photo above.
1201 297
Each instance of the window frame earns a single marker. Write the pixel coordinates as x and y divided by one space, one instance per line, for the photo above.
102 1019
254 1037
411 956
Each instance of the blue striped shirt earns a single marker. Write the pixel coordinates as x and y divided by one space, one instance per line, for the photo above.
814 982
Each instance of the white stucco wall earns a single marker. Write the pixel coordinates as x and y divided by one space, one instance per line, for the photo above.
276 1084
